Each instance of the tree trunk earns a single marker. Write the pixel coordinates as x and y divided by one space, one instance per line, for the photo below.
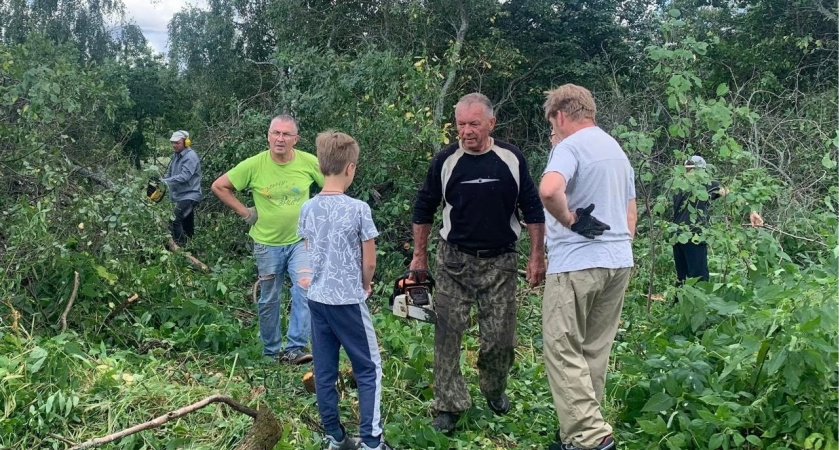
453 62
264 434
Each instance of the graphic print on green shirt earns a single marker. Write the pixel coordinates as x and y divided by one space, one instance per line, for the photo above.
279 191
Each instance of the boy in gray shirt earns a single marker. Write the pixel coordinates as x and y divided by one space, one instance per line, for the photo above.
339 233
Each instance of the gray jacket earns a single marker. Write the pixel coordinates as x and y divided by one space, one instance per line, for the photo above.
184 176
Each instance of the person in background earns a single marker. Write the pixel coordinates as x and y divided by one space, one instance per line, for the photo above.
279 179
183 178
692 258
484 183
339 233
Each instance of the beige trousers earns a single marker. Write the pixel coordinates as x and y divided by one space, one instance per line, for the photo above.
580 318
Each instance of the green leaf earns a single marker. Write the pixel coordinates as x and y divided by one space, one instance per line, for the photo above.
675 13
716 441
754 440
659 402
104 274
713 400
777 361
653 427
36 359
828 162
722 90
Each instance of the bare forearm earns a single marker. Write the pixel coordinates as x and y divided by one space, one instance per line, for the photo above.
632 217
225 195
367 272
368 262
557 205
536 231
421 233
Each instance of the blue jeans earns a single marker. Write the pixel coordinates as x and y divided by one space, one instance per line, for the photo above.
273 262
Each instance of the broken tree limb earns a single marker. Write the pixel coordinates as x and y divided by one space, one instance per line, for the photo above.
254 290
263 435
175 248
119 309
63 319
99 178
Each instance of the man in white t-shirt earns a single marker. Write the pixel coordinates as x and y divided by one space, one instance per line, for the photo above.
590 199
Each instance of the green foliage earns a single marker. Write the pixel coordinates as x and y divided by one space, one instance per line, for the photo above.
730 365
747 361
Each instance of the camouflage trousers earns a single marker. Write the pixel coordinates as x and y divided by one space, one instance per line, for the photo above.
462 280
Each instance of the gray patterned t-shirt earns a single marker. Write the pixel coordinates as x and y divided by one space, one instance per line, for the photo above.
334 227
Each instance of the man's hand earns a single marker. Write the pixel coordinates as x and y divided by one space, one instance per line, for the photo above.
251 218
756 220
421 264
369 290
535 270
587 225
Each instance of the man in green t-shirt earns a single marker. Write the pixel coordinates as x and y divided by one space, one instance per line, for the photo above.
279 180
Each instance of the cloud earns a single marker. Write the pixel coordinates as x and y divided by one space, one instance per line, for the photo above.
153 18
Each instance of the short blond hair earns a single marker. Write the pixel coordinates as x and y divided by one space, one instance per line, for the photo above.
335 151
575 101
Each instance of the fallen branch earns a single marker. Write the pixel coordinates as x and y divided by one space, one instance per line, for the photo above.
265 428
99 178
62 439
254 290
63 319
119 309
777 230
174 248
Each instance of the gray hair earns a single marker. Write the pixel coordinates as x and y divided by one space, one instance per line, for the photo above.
284 118
479 98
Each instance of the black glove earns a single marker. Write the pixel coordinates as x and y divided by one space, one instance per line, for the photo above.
587 225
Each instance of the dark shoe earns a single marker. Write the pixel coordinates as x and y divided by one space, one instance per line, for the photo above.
348 443
500 406
607 444
445 422
296 356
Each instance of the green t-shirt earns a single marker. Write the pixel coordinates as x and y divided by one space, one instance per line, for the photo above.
279 192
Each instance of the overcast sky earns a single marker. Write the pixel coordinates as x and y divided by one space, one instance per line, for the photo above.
153 17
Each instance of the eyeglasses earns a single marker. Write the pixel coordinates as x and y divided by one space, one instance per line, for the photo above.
277 134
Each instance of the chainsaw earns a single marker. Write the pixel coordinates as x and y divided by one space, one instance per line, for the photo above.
155 190
412 299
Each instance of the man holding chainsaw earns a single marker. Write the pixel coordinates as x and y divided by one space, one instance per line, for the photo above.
279 179
183 177
588 190
484 184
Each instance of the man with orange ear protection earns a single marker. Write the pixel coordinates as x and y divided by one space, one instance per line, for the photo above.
183 177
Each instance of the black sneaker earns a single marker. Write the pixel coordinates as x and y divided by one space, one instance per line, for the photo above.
500 406
607 444
445 422
296 356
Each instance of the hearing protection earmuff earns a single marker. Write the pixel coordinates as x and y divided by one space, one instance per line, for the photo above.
187 142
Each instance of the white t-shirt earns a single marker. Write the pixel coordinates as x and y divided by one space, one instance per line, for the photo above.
597 172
